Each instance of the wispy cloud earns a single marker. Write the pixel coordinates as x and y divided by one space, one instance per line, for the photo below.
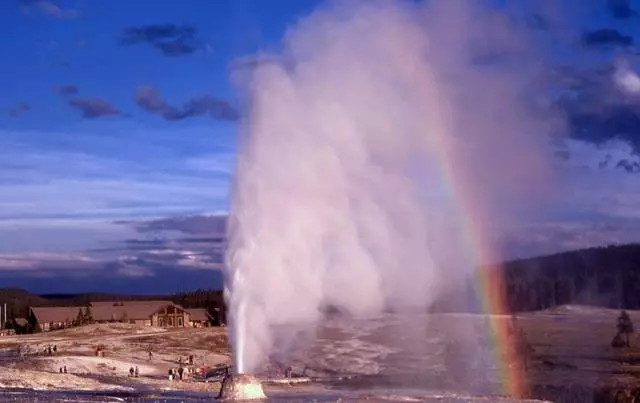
66 89
63 192
82 273
197 224
621 9
94 107
150 99
606 37
44 261
42 183
19 109
596 181
49 8
170 39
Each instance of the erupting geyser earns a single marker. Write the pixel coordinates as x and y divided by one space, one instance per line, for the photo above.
376 149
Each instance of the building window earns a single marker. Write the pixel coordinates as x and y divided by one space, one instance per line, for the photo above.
170 322
180 321
161 322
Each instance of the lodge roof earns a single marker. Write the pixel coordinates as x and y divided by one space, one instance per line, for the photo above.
129 310
104 311
56 314
199 314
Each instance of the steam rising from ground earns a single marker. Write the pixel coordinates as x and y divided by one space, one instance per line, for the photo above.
374 148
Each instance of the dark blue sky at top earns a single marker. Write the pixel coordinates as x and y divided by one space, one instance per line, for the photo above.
42 50
125 111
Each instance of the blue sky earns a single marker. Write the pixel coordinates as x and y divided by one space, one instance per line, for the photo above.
95 130
126 162
125 112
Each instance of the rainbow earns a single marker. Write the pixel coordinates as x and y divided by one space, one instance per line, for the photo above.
490 287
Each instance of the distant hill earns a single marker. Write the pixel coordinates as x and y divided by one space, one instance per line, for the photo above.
607 276
17 296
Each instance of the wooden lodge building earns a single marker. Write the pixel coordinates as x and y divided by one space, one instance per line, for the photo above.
144 313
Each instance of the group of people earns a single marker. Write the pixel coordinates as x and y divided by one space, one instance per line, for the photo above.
133 372
179 372
188 360
50 350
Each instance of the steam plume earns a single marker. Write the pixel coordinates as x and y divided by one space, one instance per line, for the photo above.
386 132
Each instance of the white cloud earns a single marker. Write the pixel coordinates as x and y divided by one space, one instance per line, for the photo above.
626 79
44 261
42 184
213 163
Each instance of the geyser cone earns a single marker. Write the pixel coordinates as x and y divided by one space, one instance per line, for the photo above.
241 387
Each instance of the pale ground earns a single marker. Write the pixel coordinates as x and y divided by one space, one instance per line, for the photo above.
126 346
571 356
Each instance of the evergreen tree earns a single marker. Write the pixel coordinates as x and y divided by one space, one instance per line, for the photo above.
80 318
34 326
88 316
625 326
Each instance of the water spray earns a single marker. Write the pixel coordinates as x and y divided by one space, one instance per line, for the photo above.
352 156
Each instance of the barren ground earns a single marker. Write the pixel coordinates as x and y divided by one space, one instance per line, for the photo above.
571 359
126 346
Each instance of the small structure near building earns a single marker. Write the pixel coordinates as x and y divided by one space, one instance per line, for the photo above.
53 318
199 317
21 322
